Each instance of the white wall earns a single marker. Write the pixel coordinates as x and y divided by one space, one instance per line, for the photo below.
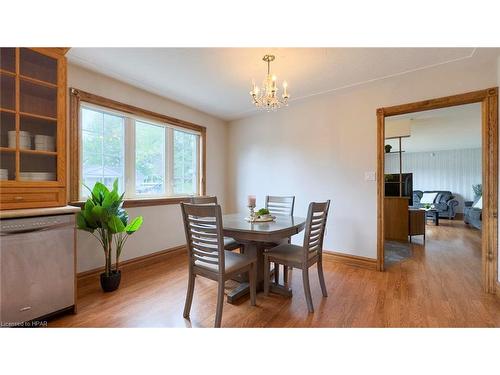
320 147
162 227
453 170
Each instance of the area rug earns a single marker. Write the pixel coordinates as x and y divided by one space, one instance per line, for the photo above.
396 252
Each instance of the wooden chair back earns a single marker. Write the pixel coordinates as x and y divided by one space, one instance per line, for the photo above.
280 205
204 236
315 228
203 200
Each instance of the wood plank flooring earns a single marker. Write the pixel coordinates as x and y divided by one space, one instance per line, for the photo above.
439 286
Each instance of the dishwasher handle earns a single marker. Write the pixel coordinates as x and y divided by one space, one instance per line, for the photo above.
10 232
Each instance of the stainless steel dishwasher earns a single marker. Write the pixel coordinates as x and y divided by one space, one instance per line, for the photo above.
37 263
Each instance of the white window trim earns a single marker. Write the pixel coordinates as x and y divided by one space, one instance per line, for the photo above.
130 152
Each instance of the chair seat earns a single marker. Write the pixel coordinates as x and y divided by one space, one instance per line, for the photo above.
230 243
232 261
287 253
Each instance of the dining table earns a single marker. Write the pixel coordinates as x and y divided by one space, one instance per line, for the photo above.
255 238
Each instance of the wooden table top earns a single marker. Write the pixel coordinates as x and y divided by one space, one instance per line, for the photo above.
237 227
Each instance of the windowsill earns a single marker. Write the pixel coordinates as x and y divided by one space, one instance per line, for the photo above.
145 202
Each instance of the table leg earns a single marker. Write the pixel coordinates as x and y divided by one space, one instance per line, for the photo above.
254 251
437 218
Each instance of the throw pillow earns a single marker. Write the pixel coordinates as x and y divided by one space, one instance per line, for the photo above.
428 198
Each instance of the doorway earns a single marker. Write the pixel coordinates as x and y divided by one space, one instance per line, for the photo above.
488 100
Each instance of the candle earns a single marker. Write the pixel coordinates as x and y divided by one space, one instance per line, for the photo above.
251 201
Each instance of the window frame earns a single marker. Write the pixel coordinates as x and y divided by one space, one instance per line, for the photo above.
79 98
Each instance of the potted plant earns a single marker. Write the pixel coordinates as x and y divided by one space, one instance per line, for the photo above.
478 191
388 148
104 217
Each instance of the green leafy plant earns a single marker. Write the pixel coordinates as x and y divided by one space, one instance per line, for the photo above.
263 211
478 190
104 217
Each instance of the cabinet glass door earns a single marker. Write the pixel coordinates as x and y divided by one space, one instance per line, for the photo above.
37 116
7 114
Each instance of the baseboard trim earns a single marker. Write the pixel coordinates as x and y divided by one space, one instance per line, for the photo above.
134 263
352 260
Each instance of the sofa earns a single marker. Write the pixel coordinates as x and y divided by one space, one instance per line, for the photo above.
445 202
473 215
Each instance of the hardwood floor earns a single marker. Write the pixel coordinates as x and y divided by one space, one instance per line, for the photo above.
439 286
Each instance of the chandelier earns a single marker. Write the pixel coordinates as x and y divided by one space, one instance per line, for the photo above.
267 97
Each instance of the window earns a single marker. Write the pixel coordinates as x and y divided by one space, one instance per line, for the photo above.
151 159
185 162
103 149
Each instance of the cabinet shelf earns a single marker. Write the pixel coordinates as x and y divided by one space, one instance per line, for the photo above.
38 152
38 81
28 78
7 149
38 116
7 110
8 73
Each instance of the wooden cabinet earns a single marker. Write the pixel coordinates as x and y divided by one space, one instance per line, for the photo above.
417 223
396 218
32 127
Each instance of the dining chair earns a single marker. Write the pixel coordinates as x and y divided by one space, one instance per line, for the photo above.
207 257
303 257
229 243
280 205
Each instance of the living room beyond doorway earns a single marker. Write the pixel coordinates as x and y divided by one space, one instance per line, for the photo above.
440 166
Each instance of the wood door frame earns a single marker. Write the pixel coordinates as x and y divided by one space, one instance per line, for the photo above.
489 130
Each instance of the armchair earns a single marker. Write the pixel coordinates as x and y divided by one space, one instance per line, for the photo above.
472 215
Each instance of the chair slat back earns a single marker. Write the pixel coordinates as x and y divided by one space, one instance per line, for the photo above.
204 236
280 205
203 200
315 228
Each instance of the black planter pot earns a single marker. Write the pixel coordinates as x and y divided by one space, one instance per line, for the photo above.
112 282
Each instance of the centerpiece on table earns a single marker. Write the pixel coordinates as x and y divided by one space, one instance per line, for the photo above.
104 217
262 215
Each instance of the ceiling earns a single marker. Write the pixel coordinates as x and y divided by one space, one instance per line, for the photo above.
451 128
218 80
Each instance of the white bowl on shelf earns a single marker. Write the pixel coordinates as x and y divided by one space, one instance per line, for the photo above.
44 142
44 147
22 134
4 174
24 139
43 138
